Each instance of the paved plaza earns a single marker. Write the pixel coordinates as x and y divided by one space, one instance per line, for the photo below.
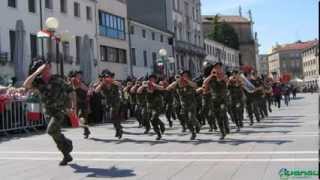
288 138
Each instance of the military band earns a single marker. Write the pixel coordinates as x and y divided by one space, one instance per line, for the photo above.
215 98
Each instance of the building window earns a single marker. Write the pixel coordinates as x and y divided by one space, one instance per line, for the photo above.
12 38
143 33
145 58
132 29
48 4
133 56
89 13
78 46
33 46
12 3
122 56
111 26
63 6
188 36
76 7
161 38
114 55
32 6
153 36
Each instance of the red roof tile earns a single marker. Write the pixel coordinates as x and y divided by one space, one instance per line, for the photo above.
297 46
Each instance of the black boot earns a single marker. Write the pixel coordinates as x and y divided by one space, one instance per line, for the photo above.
66 159
86 132
170 124
222 136
158 136
162 127
193 136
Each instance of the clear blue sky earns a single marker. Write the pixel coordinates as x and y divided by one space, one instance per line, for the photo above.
281 21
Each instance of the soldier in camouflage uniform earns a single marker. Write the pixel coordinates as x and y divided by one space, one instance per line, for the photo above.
217 87
126 97
134 98
236 96
154 103
82 100
110 91
142 101
268 93
258 93
167 99
186 90
251 104
199 96
55 95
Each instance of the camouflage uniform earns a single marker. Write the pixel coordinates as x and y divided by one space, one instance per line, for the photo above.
177 109
268 96
252 105
236 95
111 95
168 105
142 102
207 112
187 96
55 97
259 99
82 110
218 92
154 102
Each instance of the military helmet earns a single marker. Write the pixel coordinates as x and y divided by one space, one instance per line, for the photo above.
35 64
207 68
107 73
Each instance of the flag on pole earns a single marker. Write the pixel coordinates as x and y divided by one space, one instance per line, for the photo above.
43 34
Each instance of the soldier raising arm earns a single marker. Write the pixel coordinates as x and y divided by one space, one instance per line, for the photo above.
54 92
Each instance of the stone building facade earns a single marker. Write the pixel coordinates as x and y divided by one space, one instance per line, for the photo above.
244 29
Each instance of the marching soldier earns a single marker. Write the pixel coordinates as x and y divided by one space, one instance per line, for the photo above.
251 106
82 100
268 93
136 107
154 102
217 88
110 90
186 90
258 94
55 95
236 96
167 102
126 98
142 101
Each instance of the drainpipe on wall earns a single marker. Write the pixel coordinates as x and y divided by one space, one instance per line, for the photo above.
96 36
130 55
41 27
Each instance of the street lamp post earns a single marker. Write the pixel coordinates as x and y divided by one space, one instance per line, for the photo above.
163 54
52 25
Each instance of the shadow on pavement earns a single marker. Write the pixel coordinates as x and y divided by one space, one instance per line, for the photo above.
230 141
113 172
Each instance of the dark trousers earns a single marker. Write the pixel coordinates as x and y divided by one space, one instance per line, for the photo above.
220 114
252 109
54 130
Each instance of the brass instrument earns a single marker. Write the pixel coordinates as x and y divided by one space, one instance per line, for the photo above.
247 85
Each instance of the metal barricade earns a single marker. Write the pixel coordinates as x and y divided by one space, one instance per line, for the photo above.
14 116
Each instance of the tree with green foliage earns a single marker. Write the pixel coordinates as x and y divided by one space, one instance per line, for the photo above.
224 33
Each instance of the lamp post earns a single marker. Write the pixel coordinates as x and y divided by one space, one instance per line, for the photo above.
163 55
65 39
52 25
